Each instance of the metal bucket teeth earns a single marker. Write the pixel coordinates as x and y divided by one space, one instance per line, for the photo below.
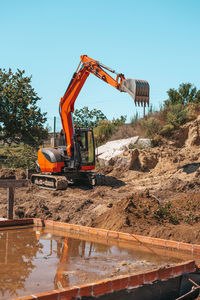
138 89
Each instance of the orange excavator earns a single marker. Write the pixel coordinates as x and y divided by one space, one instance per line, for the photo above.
75 159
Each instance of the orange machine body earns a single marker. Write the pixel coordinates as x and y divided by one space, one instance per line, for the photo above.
47 166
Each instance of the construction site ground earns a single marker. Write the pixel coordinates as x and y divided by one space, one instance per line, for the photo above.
161 200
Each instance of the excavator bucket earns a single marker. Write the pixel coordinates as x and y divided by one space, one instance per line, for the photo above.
138 89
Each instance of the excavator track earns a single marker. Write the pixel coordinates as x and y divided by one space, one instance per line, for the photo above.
50 182
60 182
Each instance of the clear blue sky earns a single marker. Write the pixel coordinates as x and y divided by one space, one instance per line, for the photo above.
158 41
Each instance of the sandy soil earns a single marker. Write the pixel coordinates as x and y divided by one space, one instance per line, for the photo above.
160 199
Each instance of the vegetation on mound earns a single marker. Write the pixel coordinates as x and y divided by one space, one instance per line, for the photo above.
143 208
181 107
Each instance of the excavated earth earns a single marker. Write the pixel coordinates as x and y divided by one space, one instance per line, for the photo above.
159 196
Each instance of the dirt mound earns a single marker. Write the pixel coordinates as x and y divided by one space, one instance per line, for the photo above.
181 147
137 208
148 160
186 208
141 213
193 133
6 173
134 209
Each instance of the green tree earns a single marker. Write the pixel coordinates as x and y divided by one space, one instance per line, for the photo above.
88 118
20 118
186 93
119 121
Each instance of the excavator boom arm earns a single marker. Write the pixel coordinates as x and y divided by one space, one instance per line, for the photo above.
87 66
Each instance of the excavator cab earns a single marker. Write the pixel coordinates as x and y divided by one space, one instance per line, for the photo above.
86 148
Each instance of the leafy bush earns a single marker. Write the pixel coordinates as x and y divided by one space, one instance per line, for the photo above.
178 115
164 213
119 121
167 130
103 131
24 159
186 93
151 127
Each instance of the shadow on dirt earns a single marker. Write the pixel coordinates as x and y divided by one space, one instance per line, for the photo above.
102 180
112 182
190 168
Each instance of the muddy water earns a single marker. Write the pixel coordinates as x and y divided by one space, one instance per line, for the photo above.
34 260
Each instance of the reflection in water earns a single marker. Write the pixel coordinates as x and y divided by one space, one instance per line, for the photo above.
33 261
17 252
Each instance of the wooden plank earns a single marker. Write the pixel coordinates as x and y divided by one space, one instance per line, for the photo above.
13 183
10 202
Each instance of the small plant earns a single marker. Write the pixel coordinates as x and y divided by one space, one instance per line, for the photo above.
173 219
140 205
167 130
151 127
103 131
24 159
134 119
190 218
178 115
150 109
119 121
163 213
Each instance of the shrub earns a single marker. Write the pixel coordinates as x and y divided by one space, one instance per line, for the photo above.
167 130
178 115
24 159
186 93
164 213
119 121
151 127
134 119
103 131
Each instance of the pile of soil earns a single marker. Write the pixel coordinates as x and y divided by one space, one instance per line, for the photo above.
6 173
137 208
141 213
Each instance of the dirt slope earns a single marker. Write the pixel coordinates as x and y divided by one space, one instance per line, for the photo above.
159 199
